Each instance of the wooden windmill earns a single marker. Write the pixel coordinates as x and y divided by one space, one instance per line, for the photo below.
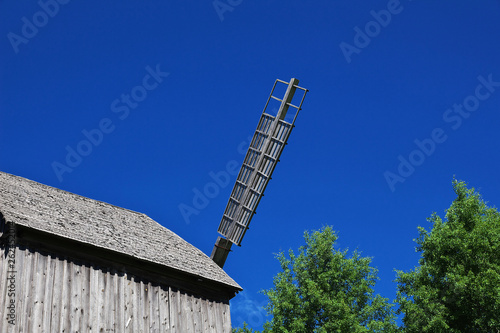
263 154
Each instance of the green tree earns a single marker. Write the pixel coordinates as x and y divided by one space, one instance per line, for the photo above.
456 288
323 290
244 329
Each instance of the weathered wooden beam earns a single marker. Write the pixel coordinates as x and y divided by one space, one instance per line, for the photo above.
220 251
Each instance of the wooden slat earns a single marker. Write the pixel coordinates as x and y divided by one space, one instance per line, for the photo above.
226 318
119 296
197 315
173 310
38 285
76 297
25 279
143 307
135 295
109 308
85 299
127 303
101 302
164 308
187 312
94 300
218 319
61 298
49 294
154 307
68 315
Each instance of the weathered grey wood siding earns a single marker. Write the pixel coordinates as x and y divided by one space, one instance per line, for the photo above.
55 294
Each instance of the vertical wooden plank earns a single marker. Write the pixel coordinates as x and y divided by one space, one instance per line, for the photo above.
148 299
175 323
109 310
226 318
105 308
127 300
139 290
210 316
31 292
24 292
101 315
118 283
204 315
213 315
135 295
188 312
67 314
203 318
218 317
71 292
57 285
61 292
182 313
24 280
85 299
143 307
76 297
154 315
164 311
113 287
48 279
193 312
93 325
153 307
38 291
197 317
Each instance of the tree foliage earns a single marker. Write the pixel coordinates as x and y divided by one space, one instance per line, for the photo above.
244 329
456 287
323 290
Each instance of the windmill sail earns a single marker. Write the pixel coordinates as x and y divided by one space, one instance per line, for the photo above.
264 152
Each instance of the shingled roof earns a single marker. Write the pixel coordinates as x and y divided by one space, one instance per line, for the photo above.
97 223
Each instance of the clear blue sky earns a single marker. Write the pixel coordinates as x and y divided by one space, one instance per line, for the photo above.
381 75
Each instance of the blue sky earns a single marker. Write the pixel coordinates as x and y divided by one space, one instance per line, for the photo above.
157 97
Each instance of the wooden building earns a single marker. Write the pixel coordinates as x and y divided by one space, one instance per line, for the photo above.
73 264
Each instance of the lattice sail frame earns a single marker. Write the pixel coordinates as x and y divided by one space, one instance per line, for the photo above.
265 149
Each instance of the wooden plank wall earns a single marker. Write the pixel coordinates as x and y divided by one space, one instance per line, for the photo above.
55 294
